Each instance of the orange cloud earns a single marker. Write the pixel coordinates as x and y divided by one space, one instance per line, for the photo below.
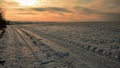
58 10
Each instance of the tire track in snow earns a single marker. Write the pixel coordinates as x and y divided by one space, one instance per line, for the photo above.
17 54
49 55
11 50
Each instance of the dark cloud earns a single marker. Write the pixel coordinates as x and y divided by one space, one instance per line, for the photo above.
111 16
113 5
27 13
85 10
105 16
56 10
22 9
106 5
112 2
51 9
84 1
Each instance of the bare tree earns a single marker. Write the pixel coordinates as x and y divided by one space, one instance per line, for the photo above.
2 20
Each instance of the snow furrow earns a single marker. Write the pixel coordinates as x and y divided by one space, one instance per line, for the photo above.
47 55
93 59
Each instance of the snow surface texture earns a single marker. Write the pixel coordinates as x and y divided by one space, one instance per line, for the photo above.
102 39
67 46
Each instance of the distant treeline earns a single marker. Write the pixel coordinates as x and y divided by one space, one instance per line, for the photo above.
59 23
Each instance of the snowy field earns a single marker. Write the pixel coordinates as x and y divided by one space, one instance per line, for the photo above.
83 45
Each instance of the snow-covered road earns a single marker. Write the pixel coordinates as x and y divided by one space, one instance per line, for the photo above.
23 48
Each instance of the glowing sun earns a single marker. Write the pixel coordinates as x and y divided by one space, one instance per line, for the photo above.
26 2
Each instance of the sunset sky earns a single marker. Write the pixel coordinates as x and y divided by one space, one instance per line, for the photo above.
61 10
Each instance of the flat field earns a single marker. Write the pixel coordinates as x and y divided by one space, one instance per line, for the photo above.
61 45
